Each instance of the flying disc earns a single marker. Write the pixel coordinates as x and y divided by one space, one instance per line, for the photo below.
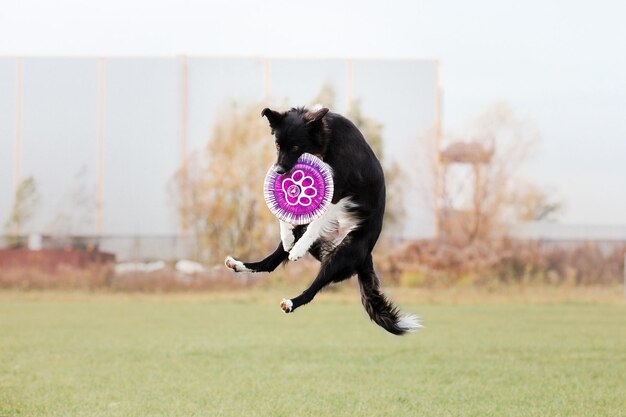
301 195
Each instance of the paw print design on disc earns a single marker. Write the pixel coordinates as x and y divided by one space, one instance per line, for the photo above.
299 189
303 194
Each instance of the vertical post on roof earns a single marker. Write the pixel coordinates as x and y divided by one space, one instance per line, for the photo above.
19 89
100 148
437 162
183 132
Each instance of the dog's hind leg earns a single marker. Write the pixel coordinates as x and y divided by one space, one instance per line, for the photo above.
338 266
266 265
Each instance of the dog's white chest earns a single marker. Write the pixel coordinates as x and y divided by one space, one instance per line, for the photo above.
339 221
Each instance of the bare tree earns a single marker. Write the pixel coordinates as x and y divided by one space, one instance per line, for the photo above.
75 208
533 203
482 192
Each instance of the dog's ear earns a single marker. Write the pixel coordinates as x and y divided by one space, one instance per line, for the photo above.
313 117
273 117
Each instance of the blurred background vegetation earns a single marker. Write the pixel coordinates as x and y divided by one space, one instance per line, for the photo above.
461 207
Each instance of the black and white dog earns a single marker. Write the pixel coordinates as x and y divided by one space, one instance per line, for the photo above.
342 239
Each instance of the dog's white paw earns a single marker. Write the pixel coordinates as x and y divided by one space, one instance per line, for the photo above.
294 255
235 265
286 305
298 251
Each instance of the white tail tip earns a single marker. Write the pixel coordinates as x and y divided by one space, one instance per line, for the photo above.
409 323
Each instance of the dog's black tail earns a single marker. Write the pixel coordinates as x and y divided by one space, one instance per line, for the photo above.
380 308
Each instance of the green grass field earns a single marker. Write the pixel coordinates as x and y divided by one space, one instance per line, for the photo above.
203 355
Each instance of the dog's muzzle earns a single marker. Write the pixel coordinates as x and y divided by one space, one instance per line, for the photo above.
279 169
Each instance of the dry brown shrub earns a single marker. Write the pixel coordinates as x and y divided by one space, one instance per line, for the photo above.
424 264
103 278
62 277
432 262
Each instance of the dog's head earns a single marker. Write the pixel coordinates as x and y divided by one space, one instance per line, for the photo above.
296 132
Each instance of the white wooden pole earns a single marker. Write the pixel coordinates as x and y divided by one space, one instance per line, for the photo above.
437 168
100 148
19 72
182 143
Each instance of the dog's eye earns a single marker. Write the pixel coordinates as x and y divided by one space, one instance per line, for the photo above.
294 148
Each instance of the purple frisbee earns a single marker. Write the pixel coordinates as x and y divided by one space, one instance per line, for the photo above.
302 195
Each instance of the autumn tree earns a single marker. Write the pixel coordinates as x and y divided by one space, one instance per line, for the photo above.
24 207
372 130
219 191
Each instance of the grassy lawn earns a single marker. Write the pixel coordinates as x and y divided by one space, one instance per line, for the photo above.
204 355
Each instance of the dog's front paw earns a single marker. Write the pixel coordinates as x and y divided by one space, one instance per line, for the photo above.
235 265
298 251
286 305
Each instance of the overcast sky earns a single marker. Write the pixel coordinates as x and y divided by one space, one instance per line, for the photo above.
559 63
